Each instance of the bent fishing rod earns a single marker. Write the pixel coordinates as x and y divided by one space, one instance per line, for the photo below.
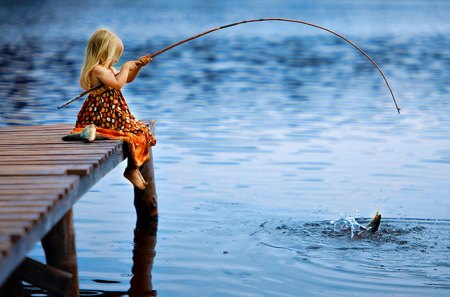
254 21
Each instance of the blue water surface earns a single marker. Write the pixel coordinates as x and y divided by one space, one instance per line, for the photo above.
266 132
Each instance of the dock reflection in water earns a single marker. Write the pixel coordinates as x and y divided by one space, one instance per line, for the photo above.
143 257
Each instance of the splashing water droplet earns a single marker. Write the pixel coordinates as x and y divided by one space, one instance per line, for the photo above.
346 223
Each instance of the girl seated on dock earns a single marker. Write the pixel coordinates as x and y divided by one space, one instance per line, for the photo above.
106 107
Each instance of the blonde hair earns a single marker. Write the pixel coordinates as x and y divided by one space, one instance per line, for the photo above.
103 48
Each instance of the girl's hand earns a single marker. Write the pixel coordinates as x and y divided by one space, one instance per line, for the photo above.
131 65
144 60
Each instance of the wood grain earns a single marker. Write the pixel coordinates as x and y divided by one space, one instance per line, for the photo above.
41 177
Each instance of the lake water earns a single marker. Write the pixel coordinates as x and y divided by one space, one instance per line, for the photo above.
266 133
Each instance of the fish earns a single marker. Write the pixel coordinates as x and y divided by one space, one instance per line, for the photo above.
374 224
87 135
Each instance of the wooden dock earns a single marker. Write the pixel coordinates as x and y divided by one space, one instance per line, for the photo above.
41 178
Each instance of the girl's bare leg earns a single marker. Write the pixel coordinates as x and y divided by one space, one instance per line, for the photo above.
133 174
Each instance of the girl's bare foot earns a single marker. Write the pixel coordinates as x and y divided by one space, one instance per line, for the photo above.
135 177
142 178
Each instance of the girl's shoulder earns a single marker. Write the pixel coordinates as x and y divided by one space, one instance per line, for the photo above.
99 74
100 69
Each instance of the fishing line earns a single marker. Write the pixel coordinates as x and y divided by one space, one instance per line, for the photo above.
254 21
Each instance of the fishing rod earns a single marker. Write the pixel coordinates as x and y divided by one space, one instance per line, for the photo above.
254 21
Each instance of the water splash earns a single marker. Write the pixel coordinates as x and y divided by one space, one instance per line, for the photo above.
347 223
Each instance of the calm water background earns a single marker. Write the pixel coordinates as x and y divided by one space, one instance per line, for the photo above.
266 132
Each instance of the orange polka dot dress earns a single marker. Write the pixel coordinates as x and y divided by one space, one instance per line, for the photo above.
107 109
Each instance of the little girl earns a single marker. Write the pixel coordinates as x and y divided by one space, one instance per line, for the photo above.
106 107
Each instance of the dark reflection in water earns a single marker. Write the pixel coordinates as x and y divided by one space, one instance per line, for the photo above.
143 256
145 237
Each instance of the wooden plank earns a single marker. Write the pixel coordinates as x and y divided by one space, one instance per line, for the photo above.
13 224
72 162
42 144
26 203
74 150
94 148
48 139
58 145
71 180
37 128
39 186
14 229
41 177
24 138
56 140
14 233
33 196
36 170
75 153
23 210
32 217
27 214
23 144
48 157
93 158
36 132
66 145
5 136
46 277
50 162
31 191
5 244
9 134
27 137
71 169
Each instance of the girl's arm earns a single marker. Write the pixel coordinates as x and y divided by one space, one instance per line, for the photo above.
107 77
132 74
144 60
